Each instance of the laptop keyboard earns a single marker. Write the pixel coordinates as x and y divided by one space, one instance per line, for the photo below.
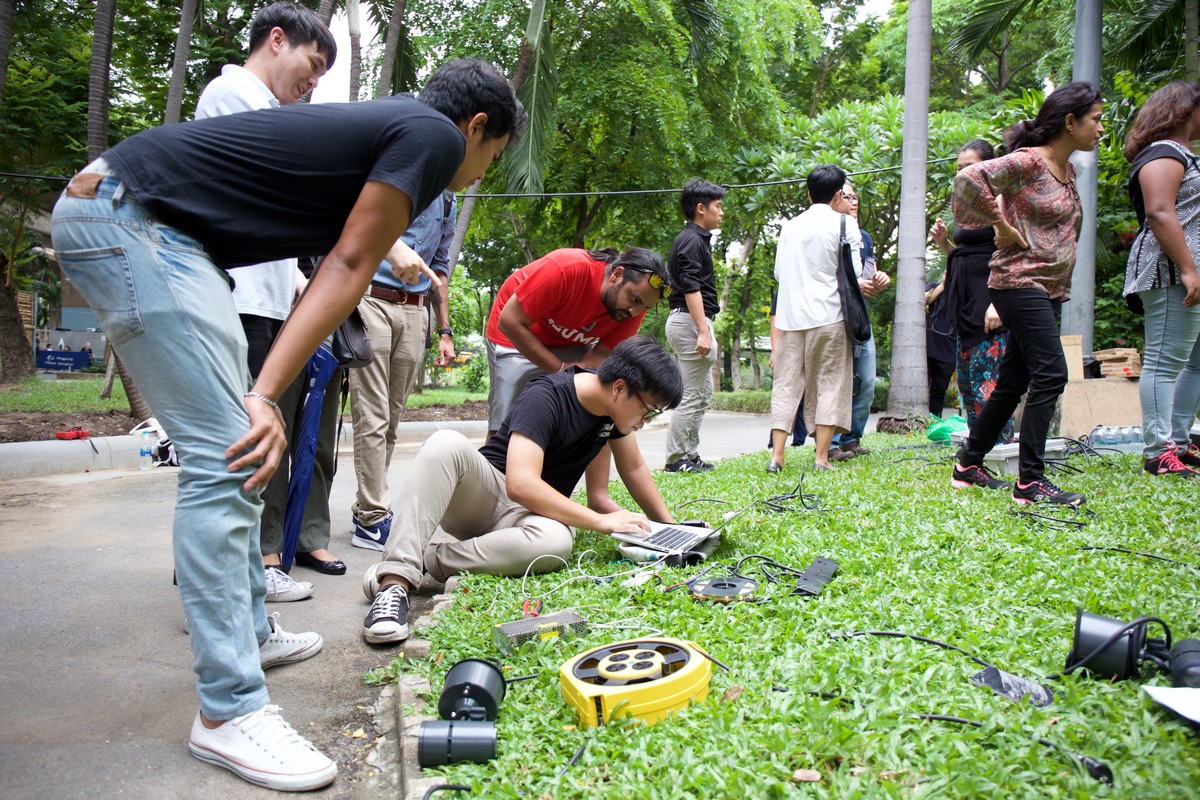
671 538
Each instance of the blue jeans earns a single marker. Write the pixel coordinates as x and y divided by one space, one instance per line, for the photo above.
864 394
168 311
1170 384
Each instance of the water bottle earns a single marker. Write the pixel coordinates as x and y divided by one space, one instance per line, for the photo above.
146 453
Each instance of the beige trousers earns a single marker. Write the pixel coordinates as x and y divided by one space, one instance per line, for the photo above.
452 485
378 392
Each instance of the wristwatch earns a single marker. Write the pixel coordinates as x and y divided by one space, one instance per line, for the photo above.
446 332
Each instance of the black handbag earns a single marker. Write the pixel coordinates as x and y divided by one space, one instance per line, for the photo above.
854 307
351 343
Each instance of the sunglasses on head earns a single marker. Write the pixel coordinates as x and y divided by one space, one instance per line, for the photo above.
655 280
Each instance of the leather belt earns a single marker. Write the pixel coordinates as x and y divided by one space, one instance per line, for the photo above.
398 296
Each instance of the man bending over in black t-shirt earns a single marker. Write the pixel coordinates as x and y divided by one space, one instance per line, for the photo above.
510 501
145 233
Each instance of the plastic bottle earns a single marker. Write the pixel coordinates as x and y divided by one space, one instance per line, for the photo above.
146 454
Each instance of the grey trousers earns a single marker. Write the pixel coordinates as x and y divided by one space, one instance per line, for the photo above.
683 434
452 485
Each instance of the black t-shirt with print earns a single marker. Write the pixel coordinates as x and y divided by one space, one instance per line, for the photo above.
280 182
549 412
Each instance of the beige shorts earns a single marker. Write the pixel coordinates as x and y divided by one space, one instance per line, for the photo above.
816 365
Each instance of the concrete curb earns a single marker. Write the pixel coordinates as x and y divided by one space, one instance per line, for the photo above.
54 457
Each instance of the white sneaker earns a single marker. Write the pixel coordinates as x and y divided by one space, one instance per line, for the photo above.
262 748
282 589
282 647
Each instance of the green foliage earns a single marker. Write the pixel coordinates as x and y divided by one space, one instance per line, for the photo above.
915 556
475 377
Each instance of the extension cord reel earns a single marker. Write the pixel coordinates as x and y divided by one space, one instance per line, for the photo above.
647 678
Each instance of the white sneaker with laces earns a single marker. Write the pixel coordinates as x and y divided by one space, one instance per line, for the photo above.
262 748
281 588
282 647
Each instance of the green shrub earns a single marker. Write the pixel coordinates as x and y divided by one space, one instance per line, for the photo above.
749 401
475 375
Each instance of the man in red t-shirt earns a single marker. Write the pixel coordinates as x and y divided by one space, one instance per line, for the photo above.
569 308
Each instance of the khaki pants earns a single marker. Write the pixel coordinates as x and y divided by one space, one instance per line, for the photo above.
452 485
683 434
378 392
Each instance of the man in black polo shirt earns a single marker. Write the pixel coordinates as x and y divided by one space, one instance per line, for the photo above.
509 503
689 325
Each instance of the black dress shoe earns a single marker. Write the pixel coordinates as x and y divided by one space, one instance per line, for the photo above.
326 567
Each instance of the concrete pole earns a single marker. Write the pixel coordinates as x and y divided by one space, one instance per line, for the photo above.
1079 314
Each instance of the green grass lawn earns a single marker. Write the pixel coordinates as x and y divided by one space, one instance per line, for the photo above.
915 556
71 396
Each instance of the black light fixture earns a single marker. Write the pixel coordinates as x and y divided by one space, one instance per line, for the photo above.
468 704
1110 648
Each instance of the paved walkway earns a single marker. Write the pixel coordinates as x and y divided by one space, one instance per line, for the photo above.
95 669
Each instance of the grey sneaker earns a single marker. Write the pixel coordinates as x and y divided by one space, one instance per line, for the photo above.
387 621
282 647
281 588
262 748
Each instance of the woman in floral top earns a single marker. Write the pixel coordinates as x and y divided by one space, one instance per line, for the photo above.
1036 232
1164 185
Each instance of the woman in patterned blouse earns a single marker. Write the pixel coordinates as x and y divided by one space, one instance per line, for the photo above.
1036 232
1161 277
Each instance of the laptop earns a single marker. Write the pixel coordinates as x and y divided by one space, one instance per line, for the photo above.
670 538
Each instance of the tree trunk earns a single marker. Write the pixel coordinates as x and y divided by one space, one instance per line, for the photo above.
16 352
355 27
465 208
102 33
325 11
1191 40
183 43
6 16
909 388
386 67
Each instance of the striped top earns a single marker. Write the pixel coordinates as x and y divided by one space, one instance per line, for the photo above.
1148 266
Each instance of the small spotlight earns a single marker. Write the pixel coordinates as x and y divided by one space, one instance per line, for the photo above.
1110 648
469 701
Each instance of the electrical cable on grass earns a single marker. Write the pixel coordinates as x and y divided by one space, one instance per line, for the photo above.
914 637
1139 553
445 787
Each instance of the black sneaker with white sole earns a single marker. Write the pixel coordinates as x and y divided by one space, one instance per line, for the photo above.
1043 491
387 621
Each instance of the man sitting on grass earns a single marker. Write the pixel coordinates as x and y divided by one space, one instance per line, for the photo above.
509 504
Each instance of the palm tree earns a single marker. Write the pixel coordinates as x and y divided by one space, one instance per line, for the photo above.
355 25
391 44
102 36
183 43
6 18
1161 33
908 392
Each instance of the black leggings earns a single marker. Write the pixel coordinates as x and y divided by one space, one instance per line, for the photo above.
1035 362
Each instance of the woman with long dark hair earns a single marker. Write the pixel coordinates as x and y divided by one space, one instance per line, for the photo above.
1036 233
1161 277
982 337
